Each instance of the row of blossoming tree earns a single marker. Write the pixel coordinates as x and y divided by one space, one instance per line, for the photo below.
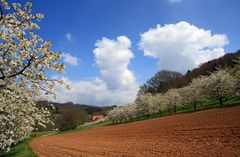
218 86
25 59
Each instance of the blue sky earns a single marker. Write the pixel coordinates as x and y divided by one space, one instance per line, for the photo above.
74 27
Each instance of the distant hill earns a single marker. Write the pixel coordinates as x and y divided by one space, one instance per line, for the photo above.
204 69
69 115
89 109
159 84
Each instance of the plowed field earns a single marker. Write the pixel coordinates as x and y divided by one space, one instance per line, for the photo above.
207 133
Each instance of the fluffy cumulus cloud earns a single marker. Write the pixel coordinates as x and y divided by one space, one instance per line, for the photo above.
68 36
70 59
112 58
116 85
181 46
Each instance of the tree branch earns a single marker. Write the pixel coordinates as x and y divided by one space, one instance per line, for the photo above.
21 71
1 12
3 76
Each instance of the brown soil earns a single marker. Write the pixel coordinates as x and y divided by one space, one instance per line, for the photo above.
207 133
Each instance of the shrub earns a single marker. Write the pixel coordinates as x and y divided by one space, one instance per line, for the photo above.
67 120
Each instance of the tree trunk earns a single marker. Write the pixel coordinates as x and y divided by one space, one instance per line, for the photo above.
220 100
195 106
160 112
175 109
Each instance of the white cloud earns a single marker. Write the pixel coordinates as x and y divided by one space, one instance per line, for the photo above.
68 58
113 57
93 92
181 46
68 36
117 84
174 1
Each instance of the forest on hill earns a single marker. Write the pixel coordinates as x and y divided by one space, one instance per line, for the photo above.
68 115
165 80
